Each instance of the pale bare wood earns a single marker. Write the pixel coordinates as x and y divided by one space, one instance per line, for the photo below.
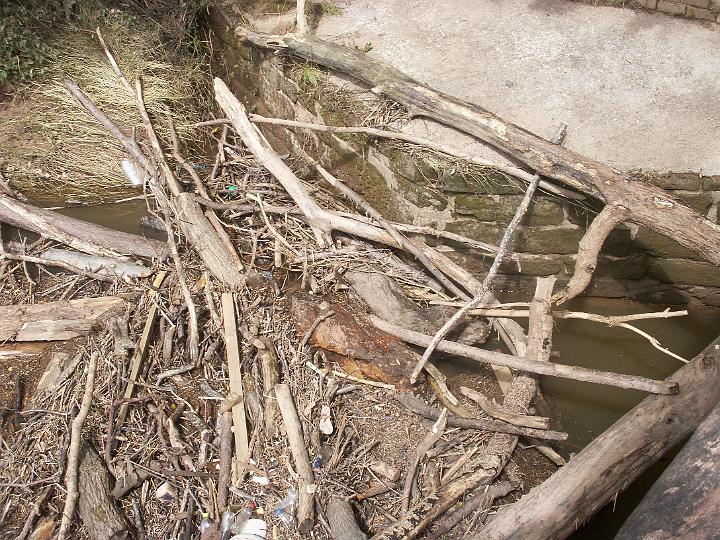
141 349
589 250
296 440
526 364
55 321
496 411
501 445
301 18
421 141
232 351
648 205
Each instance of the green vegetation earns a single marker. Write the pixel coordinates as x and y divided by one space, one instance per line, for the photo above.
309 76
328 8
22 51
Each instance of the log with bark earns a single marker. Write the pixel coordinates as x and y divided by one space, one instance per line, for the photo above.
55 321
606 466
642 203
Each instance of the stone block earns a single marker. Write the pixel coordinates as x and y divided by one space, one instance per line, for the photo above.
501 209
538 265
421 194
472 228
672 8
711 183
648 4
686 181
660 245
699 13
492 184
618 243
684 271
562 240
631 267
700 202
697 3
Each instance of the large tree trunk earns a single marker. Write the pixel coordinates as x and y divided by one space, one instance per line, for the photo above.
81 235
684 501
612 461
647 205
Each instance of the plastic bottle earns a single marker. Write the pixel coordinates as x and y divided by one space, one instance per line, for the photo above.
242 518
254 529
228 519
284 509
205 523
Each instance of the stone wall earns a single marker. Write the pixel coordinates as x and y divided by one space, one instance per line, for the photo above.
416 187
704 10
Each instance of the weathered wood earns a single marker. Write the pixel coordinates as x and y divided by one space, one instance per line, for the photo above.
55 321
78 234
576 373
232 351
684 501
99 514
496 411
647 205
613 460
296 440
94 263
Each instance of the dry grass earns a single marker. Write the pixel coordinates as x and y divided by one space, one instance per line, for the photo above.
56 142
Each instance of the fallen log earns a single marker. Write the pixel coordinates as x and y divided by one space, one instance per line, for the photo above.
78 234
606 466
645 204
526 364
683 502
55 321
342 521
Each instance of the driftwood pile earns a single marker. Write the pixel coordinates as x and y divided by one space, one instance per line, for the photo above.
263 362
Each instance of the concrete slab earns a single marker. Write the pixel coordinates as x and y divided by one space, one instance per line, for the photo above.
638 90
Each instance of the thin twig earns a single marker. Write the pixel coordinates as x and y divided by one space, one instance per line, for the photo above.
481 294
71 475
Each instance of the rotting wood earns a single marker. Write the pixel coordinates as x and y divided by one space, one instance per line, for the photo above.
270 377
232 351
97 508
501 445
417 406
555 370
100 265
55 321
610 463
296 439
78 234
647 205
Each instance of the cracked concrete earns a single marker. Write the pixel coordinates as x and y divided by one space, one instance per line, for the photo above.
638 90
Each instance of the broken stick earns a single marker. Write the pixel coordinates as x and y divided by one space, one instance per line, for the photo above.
296 440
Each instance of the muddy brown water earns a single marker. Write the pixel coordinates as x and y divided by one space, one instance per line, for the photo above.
584 410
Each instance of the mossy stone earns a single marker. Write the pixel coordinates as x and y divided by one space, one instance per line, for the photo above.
501 209
547 240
